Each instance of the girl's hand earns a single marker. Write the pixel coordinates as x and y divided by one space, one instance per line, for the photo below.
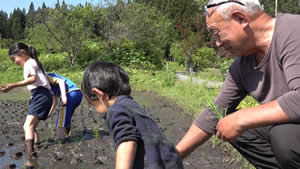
64 100
6 88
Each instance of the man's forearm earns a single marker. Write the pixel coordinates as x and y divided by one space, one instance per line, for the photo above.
262 115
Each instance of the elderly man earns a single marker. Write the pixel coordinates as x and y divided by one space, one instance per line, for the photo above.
268 69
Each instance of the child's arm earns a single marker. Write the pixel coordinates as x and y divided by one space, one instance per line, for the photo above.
25 82
62 87
126 136
54 103
126 155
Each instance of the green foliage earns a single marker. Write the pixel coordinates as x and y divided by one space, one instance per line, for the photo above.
174 67
204 58
211 74
42 40
68 27
128 54
146 27
168 79
248 102
176 51
53 62
224 64
6 63
5 43
4 24
92 50
16 24
186 94
9 71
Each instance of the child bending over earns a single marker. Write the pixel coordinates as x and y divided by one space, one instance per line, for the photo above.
139 142
70 97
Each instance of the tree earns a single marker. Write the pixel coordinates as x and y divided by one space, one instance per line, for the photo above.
4 24
17 24
147 27
68 30
30 17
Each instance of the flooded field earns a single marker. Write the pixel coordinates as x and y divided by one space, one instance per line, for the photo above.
89 145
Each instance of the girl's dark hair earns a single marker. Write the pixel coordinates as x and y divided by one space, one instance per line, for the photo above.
16 49
108 77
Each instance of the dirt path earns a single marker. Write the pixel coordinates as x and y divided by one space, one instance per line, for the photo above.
90 145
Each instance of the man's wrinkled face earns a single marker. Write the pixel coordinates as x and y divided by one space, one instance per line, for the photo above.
228 34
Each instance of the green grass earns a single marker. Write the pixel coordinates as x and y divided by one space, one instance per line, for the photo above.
186 94
211 74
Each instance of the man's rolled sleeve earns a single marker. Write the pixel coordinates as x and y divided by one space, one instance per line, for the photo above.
290 104
207 121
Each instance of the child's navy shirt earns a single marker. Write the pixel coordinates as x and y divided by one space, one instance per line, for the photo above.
127 121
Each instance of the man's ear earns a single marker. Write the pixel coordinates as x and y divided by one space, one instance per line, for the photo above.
240 18
98 93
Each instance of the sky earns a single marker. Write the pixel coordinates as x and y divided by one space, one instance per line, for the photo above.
9 5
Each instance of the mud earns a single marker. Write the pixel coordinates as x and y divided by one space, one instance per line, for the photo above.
89 145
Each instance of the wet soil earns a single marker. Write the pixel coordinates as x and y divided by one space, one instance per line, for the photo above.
89 145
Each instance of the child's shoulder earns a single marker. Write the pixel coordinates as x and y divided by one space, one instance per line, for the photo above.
121 105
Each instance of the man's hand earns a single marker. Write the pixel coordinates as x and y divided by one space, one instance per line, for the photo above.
228 128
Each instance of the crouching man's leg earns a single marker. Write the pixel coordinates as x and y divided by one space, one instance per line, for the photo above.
285 142
254 145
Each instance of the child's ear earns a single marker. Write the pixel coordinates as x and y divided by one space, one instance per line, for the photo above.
98 93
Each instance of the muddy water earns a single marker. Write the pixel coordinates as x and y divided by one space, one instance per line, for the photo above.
89 144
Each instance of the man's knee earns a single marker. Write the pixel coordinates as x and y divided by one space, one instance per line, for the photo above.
287 156
285 141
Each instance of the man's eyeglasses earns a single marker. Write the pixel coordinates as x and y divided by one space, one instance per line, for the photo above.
220 3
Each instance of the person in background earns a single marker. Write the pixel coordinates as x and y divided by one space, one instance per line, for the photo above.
36 81
70 97
267 67
106 86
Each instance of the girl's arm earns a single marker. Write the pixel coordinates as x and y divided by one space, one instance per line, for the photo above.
62 87
25 82
53 106
126 155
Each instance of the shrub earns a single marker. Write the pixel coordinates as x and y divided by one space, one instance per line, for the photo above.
129 54
205 57
174 66
168 79
176 51
53 62
224 64
5 43
5 61
92 50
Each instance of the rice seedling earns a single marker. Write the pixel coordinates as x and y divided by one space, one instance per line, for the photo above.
96 132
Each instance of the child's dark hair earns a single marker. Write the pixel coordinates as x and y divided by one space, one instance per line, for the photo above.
16 49
108 77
